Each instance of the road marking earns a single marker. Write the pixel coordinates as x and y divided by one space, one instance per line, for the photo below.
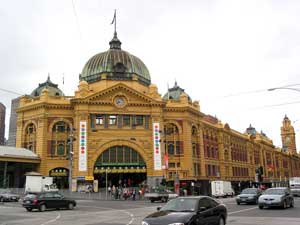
243 210
53 220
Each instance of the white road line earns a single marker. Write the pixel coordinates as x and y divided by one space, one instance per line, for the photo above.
243 210
53 220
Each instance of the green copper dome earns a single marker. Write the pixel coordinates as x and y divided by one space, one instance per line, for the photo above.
175 92
117 64
52 88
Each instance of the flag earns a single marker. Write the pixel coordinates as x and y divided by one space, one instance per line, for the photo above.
114 19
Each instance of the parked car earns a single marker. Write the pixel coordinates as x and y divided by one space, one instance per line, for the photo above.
47 200
7 196
189 210
249 195
280 196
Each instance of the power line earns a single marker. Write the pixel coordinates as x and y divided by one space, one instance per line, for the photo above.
12 92
258 91
276 105
77 20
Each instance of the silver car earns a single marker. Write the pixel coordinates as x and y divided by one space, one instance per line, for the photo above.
280 196
7 196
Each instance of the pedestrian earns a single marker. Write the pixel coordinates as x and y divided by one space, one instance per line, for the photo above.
114 192
185 192
109 190
133 194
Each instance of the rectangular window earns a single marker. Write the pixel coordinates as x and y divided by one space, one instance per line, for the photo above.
126 120
99 120
139 120
171 165
112 120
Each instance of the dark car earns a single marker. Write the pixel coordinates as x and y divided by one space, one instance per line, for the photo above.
47 200
248 195
280 196
7 196
201 210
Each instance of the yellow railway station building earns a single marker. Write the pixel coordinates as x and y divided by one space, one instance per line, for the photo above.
118 129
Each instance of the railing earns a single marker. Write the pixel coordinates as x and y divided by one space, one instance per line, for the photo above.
101 195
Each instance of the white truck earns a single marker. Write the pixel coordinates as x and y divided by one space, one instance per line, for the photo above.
35 184
294 183
221 188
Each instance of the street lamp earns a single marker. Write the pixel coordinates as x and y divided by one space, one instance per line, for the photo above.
71 153
287 87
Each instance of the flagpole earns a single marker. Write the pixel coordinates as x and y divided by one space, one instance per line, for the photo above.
115 21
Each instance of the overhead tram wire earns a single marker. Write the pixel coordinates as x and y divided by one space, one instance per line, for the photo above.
11 92
258 91
77 20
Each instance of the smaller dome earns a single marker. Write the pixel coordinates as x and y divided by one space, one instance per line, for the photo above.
251 130
53 89
175 92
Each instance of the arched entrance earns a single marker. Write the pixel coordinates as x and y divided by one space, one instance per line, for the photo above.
60 177
120 166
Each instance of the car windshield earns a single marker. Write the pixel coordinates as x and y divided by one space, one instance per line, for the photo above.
30 196
180 205
274 191
249 191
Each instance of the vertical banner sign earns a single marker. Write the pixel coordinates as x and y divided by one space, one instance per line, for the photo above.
82 146
156 146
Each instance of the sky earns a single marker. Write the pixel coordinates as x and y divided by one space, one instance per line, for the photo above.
225 53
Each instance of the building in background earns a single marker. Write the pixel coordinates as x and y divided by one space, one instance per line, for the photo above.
13 123
2 124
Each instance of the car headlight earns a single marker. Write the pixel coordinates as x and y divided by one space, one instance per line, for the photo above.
176 224
144 223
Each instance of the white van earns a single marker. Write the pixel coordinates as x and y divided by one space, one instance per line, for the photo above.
221 188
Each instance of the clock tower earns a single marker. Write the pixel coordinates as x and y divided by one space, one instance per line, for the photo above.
288 136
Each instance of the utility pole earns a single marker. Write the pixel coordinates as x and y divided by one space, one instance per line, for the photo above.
71 139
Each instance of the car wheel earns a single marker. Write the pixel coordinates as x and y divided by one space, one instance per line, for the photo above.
29 209
284 205
70 206
292 204
152 200
260 206
42 208
221 221
1 199
238 203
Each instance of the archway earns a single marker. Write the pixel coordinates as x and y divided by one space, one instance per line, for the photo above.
120 165
60 177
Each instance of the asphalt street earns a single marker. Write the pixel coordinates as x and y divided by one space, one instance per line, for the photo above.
92 212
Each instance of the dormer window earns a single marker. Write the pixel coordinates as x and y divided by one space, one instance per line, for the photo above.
119 68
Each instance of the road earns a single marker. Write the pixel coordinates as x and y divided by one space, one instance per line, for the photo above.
92 212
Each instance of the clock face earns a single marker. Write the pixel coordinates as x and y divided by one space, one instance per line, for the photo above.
287 139
120 101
